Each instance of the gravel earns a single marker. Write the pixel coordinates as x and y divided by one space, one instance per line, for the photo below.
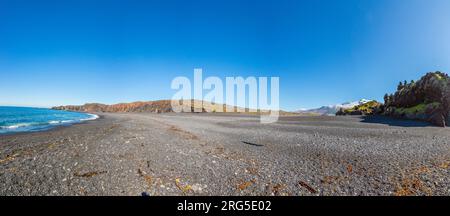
228 154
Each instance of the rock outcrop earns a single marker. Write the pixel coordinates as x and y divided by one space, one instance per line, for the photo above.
427 99
447 102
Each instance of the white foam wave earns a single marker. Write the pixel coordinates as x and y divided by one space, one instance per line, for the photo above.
53 122
62 122
16 126
91 117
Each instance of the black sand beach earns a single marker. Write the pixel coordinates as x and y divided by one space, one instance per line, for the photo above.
212 154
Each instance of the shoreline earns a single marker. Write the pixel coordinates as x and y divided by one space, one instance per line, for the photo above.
56 126
160 154
53 128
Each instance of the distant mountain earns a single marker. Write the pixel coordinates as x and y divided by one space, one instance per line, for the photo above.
369 108
332 109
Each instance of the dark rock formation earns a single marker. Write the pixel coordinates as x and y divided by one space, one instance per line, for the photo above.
427 99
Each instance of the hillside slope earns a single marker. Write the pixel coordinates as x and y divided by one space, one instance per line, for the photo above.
161 106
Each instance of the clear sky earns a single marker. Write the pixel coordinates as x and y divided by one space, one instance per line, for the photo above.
324 51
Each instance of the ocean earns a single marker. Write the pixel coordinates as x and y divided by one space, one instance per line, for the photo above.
26 119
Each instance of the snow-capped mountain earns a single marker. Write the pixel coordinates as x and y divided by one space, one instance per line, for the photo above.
332 109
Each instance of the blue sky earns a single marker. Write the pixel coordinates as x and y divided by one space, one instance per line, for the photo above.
324 51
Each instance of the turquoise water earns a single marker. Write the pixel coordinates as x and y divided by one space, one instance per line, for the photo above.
25 119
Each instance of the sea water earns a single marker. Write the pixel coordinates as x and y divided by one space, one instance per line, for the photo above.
25 119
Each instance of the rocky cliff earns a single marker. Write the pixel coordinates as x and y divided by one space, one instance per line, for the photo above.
427 99
161 106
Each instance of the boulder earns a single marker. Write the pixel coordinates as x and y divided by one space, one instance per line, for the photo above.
438 119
